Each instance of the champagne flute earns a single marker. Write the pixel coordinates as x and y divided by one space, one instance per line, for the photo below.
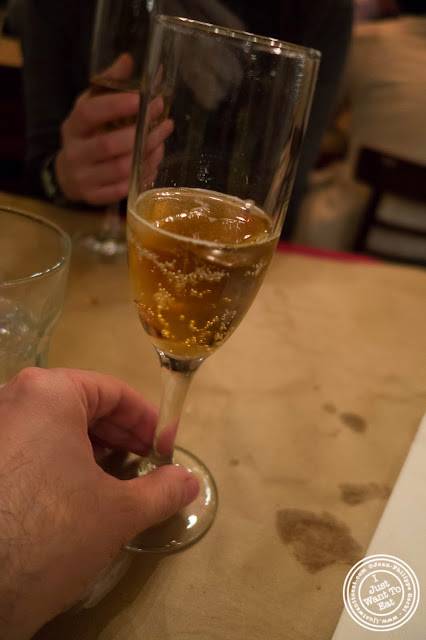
205 210
120 38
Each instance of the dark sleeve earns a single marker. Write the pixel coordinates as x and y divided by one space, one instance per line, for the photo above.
332 37
55 43
322 24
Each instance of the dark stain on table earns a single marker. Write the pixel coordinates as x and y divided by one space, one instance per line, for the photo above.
354 494
317 540
234 462
354 422
334 433
329 408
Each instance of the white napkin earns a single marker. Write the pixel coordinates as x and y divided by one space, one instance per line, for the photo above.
401 533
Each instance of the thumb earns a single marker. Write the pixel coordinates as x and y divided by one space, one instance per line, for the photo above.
160 494
121 68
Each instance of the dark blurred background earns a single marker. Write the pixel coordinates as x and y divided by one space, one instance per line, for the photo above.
371 94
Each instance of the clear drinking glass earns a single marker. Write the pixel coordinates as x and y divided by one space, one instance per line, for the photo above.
34 262
205 209
120 38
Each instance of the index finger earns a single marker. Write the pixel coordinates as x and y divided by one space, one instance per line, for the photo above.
90 112
118 416
121 67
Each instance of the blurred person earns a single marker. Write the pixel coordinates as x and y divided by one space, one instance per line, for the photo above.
69 160
62 518
71 155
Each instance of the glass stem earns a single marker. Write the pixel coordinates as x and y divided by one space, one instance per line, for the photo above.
176 378
111 227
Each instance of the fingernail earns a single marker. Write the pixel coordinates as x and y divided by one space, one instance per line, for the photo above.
190 489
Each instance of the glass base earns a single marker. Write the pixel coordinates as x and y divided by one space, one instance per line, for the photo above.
191 523
103 247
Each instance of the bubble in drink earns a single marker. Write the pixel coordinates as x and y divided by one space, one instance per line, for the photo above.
197 259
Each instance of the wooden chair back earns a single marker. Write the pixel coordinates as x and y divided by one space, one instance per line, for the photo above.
388 174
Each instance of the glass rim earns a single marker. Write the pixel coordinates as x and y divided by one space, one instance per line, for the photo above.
54 227
266 42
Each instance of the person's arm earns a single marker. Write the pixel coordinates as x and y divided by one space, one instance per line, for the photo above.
62 518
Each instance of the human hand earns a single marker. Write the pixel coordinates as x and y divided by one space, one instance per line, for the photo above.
62 518
158 130
95 159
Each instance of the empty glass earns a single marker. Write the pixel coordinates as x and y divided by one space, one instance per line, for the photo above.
34 263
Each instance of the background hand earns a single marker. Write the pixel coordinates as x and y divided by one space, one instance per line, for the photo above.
153 151
94 162
95 159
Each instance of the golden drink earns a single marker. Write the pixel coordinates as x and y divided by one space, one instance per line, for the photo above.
197 259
